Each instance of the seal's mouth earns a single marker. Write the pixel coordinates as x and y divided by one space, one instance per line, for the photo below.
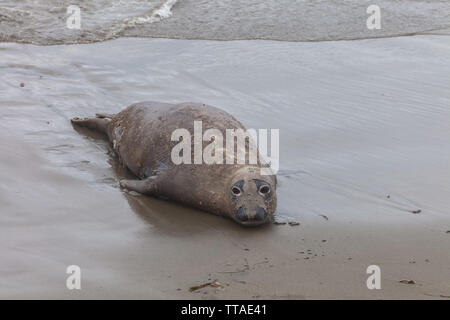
253 223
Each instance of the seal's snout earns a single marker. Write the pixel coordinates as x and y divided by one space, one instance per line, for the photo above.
246 218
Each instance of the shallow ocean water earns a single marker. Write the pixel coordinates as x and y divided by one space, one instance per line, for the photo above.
44 22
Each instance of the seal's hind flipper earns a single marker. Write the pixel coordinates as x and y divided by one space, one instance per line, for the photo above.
146 186
105 115
92 123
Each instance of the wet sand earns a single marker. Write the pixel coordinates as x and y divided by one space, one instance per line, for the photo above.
364 133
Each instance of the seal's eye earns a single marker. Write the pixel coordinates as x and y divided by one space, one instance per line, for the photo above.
263 190
236 191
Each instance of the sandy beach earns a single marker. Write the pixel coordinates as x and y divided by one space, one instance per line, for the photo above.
364 134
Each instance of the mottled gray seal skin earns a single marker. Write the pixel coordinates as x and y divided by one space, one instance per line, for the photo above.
141 137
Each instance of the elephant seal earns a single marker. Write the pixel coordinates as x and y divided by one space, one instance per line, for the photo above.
141 135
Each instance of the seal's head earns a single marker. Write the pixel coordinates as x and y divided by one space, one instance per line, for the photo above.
253 196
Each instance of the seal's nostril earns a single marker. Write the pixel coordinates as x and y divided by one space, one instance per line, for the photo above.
241 214
260 214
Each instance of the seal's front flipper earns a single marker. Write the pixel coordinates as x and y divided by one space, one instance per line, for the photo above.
147 186
93 123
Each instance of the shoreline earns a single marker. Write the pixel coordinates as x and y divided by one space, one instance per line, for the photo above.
431 32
